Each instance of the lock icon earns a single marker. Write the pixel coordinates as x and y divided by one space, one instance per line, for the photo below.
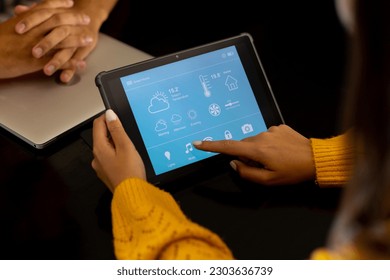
228 135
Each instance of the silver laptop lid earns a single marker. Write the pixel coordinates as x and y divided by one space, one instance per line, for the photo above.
39 109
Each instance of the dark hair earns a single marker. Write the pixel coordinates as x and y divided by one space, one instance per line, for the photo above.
364 217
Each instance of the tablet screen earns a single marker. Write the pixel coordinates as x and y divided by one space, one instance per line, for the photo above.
199 95
205 97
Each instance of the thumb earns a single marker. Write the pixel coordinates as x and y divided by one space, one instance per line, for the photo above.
252 173
115 128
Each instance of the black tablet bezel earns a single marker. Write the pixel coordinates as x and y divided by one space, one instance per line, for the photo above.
114 97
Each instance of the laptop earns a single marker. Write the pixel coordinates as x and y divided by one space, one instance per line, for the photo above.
40 109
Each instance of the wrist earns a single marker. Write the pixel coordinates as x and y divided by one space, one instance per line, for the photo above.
98 17
8 65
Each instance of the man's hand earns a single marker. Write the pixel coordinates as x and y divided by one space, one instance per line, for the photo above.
68 39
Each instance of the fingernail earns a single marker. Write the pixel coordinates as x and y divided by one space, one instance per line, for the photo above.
69 3
81 65
50 69
37 52
196 142
233 165
111 116
86 19
20 27
87 40
65 78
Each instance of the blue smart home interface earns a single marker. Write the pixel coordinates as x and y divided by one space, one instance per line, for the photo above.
205 97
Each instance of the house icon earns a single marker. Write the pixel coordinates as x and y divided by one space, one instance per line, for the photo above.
231 83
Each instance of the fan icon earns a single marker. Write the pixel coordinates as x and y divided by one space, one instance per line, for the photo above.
214 109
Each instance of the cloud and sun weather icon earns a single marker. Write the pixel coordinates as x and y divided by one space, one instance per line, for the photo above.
158 103
160 125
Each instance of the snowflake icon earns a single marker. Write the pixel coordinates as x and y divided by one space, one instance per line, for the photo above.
214 109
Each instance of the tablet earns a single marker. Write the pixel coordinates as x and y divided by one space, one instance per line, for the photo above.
212 92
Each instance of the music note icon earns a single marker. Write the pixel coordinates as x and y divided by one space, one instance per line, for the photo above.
189 148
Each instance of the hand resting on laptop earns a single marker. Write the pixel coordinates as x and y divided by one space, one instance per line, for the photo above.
50 36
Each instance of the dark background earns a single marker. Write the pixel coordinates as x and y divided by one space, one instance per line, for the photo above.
301 45
52 206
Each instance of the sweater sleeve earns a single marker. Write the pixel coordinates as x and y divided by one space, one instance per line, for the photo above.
333 159
149 224
347 252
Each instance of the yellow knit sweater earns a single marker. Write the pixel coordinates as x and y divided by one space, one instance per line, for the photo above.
149 224
333 159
